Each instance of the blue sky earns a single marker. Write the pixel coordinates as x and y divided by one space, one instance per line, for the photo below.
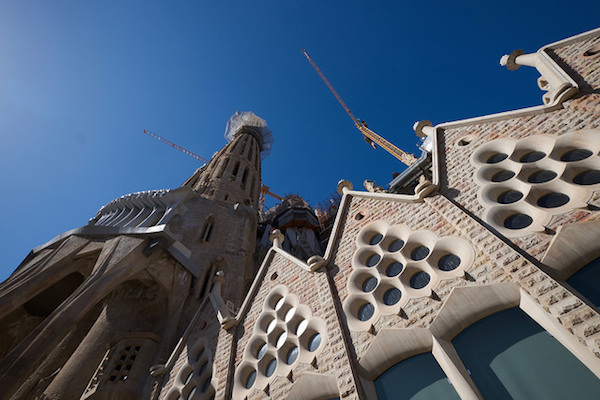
80 81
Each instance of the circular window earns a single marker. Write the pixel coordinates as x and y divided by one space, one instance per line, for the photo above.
250 379
290 314
314 342
396 245
376 239
271 326
292 355
553 200
532 156
369 284
192 393
301 327
541 176
366 311
510 196
496 158
518 221
271 367
280 304
281 339
576 155
392 296
262 350
502 176
394 269
419 253
449 262
373 260
419 280
591 177
188 377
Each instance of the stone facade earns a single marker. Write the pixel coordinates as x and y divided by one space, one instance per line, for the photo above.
160 297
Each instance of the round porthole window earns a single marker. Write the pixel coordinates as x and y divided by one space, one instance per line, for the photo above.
553 200
394 269
392 296
576 155
369 284
532 156
541 176
292 355
375 239
271 367
419 253
518 221
496 158
590 177
396 245
449 262
262 350
366 311
373 260
502 176
419 280
314 342
510 196
250 379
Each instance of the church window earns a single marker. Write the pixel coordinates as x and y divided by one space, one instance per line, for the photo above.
235 171
418 377
314 342
392 296
194 379
532 156
509 196
222 167
553 200
496 158
292 355
394 269
271 367
244 178
590 177
207 229
449 262
419 280
365 312
510 356
369 284
502 176
419 253
587 281
373 260
376 239
518 221
251 379
396 245
541 176
576 155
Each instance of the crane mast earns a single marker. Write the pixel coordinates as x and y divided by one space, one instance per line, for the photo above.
370 136
176 147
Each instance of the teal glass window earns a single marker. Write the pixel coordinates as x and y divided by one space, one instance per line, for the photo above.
418 378
509 356
587 281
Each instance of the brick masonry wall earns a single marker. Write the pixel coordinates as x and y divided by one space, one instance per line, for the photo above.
313 290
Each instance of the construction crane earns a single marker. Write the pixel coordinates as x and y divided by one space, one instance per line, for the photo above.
176 147
264 189
370 137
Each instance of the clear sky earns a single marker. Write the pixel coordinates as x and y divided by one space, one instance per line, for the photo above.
81 80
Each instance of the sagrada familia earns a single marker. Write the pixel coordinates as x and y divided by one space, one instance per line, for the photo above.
475 275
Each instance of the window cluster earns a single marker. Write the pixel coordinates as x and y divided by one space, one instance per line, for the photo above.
193 382
284 334
393 264
523 183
